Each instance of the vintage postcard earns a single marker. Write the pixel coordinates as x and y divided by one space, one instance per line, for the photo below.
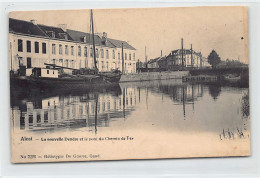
117 84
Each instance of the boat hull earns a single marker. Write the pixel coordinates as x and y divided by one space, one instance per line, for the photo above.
69 83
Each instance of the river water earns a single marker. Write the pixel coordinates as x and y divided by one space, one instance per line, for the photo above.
190 114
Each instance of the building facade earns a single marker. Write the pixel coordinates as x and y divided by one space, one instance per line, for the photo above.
205 63
191 59
153 63
158 63
34 45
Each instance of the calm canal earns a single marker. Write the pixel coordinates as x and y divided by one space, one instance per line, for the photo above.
189 114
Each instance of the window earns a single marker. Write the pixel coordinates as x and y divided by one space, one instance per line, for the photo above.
72 50
114 55
107 65
102 53
102 63
61 62
53 61
133 56
53 49
125 56
129 56
28 46
29 62
60 49
38 118
67 63
97 54
46 114
79 63
107 54
43 48
36 47
79 51
47 71
20 45
66 50
91 52
85 52
72 63
118 55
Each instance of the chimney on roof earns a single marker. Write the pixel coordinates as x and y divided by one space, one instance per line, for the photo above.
85 39
66 36
63 27
104 38
104 35
34 21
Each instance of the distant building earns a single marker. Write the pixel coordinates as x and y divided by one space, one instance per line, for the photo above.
153 63
141 66
231 64
162 62
191 59
31 45
159 62
205 63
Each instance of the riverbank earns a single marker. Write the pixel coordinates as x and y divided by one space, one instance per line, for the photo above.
147 76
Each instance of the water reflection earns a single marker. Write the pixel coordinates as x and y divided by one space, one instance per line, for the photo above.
245 105
235 133
214 91
92 109
166 104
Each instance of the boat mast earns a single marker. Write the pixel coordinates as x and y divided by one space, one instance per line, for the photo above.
93 39
182 60
123 70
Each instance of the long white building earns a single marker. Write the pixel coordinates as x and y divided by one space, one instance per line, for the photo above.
31 45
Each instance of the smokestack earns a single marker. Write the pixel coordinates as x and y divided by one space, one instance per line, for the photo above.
145 54
192 62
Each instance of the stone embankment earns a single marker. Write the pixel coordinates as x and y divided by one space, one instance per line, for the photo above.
147 76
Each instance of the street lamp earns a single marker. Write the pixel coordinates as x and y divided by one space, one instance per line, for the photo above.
18 58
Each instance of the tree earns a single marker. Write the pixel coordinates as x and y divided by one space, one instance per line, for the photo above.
214 59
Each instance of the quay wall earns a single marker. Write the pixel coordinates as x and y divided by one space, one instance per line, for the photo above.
220 71
146 76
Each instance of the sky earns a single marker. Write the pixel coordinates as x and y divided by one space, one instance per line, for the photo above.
223 29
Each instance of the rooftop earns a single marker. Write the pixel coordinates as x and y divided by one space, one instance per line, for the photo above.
25 27
32 29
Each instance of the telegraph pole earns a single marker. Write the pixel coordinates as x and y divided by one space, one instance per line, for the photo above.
145 54
123 58
192 62
182 61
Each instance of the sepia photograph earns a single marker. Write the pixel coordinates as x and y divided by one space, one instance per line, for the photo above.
133 83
